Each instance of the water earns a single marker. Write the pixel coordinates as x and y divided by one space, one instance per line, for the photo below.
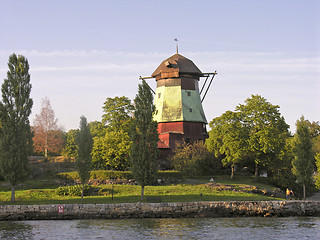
181 228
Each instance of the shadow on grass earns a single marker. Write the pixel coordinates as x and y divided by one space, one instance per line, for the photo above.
134 199
31 184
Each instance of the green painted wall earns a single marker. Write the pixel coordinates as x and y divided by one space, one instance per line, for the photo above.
174 104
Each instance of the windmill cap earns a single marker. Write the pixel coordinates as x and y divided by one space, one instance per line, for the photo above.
177 64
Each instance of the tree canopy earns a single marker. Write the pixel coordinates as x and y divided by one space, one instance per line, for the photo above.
228 139
117 113
256 130
193 159
303 167
48 137
71 148
15 133
112 151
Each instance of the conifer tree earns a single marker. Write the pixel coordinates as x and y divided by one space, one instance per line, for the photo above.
83 160
15 133
303 161
144 136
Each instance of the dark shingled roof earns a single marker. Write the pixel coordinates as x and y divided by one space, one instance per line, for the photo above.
177 64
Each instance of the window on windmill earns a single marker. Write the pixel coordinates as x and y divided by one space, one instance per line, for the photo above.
190 109
159 95
167 64
188 94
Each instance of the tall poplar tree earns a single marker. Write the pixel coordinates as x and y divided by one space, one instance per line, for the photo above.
83 160
15 133
144 136
303 161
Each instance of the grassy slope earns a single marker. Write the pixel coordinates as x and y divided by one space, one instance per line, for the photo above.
44 192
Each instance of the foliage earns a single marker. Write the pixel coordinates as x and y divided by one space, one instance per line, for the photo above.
107 174
48 137
256 131
117 113
56 140
15 133
111 148
144 136
317 177
83 160
75 190
99 174
192 159
71 148
316 144
314 129
97 129
267 130
111 151
281 174
228 139
303 161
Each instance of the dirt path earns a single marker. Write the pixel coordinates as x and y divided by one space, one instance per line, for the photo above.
315 197
192 181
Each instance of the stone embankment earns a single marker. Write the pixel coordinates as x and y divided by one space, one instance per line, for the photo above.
161 210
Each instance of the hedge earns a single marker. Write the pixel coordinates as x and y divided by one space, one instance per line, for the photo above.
107 174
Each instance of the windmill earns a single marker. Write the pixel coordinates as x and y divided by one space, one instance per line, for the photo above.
178 102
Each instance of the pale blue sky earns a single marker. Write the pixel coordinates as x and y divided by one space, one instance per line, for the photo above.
81 52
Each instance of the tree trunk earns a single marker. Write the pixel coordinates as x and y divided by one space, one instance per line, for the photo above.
46 144
232 171
82 192
256 173
13 193
142 193
304 191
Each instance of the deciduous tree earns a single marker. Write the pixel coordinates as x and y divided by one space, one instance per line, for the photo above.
15 133
303 161
112 151
256 130
144 136
47 134
192 159
228 138
267 130
71 148
117 113
97 129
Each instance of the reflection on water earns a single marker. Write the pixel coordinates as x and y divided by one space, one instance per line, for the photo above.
180 228
15 230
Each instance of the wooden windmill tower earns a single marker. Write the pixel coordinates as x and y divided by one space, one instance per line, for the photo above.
178 103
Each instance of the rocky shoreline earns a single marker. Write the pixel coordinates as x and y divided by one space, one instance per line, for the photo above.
160 210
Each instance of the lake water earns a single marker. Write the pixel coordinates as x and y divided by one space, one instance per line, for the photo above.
180 228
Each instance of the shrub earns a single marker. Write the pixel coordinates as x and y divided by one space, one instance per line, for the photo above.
75 190
107 174
193 159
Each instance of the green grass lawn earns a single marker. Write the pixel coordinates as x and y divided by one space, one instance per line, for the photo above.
239 180
44 192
